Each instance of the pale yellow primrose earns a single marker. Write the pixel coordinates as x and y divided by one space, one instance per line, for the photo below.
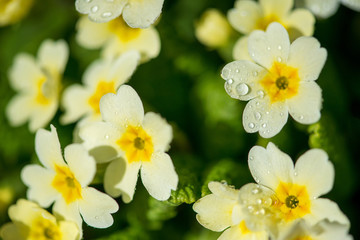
137 14
101 77
249 15
38 84
12 11
66 183
279 81
133 142
297 188
31 222
116 37
221 210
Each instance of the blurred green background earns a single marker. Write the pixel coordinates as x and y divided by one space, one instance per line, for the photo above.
184 85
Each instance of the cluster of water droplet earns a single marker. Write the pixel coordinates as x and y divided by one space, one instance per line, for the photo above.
103 9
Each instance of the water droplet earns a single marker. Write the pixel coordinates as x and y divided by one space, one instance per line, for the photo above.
251 125
88 1
225 73
267 113
255 73
301 117
257 180
251 158
295 173
253 54
110 0
279 59
262 211
268 48
281 114
279 47
260 93
259 201
96 217
250 208
267 201
257 116
94 9
106 136
237 70
242 89
255 191
264 125
230 81
107 14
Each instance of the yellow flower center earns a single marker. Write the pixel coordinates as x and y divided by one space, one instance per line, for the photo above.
44 229
263 23
136 144
281 82
293 201
125 33
66 184
243 228
102 88
40 97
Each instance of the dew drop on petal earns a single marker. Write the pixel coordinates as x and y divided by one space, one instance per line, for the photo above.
225 73
262 211
107 14
88 1
106 136
279 59
251 125
259 201
255 73
260 93
242 89
268 48
250 208
94 9
279 47
264 125
301 117
281 114
237 70
257 103
251 158
267 113
255 191
257 116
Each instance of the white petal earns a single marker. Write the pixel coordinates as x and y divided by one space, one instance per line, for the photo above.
141 14
301 20
74 101
334 231
272 45
120 179
159 130
305 106
100 11
47 147
308 57
39 181
159 176
124 66
315 171
19 110
90 34
322 209
242 79
353 4
214 212
42 115
69 212
96 208
279 8
270 166
267 118
223 190
9 231
234 233
123 108
81 164
25 212
322 8
240 50
53 55
24 72
244 16
69 230
100 138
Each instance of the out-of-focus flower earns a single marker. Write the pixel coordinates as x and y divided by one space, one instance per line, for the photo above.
102 77
249 15
12 11
327 8
66 183
222 210
139 141
116 37
137 14
281 81
31 222
213 29
297 189
38 83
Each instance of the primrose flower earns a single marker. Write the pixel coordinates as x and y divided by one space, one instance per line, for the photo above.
222 210
66 183
213 29
134 141
31 222
137 14
116 37
13 11
297 188
102 77
248 15
38 83
324 230
281 80
327 8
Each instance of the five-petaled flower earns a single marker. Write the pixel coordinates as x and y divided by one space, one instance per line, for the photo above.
137 140
38 83
137 14
281 81
66 183
31 222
